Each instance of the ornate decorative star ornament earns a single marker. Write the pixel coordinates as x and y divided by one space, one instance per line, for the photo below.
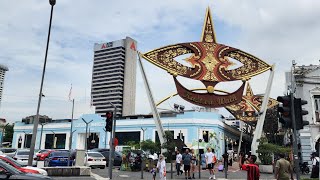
250 104
210 65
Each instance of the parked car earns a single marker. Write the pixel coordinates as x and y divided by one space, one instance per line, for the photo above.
9 172
57 158
105 153
27 169
43 154
22 156
95 159
8 151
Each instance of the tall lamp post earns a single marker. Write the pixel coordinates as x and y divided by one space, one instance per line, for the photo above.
71 133
113 133
36 122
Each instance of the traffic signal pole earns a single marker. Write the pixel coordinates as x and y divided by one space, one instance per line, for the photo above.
294 137
112 136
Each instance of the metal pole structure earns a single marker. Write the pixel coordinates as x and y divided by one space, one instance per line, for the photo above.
240 141
105 137
87 124
113 133
36 121
54 136
294 137
155 113
70 139
199 162
263 111
42 124
225 158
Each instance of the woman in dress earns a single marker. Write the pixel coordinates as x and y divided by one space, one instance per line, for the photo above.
161 166
193 162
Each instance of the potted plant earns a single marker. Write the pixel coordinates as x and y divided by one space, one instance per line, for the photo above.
266 152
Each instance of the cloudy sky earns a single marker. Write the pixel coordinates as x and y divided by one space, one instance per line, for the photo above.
275 31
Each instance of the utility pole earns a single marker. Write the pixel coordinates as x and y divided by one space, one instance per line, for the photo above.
113 133
87 124
36 121
71 133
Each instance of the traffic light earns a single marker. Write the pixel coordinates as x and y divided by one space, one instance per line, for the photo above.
109 121
285 111
299 113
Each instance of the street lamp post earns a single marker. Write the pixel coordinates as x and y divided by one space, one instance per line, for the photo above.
71 133
36 122
87 124
105 137
42 124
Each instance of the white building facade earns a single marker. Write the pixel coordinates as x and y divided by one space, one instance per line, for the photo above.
114 76
3 70
307 82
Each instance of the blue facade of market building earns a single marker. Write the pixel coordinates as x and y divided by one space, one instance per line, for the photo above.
188 126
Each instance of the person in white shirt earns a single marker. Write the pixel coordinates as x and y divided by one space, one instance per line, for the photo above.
210 160
178 163
161 166
315 165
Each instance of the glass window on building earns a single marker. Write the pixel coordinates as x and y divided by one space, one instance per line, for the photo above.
125 137
55 141
317 107
27 140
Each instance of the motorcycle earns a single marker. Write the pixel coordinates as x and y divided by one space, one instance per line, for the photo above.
304 168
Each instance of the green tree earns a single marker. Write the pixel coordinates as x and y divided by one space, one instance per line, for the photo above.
266 150
8 133
150 146
169 145
133 144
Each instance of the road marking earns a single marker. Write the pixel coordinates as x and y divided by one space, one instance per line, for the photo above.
126 176
97 177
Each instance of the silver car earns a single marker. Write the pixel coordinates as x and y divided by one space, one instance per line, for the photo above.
22 156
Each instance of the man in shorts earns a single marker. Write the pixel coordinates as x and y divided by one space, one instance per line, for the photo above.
210 163
186 158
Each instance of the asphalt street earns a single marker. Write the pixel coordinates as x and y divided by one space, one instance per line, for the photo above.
102 174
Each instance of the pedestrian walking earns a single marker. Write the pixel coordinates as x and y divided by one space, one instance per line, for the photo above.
193 162
253 172
186 158
161 166
154 172
315 165
178 163
210 160
283 169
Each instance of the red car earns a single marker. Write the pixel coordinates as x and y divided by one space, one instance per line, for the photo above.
43 154
27 169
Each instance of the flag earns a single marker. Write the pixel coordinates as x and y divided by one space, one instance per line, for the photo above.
70 93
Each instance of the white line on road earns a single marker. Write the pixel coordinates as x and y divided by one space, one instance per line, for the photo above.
97 177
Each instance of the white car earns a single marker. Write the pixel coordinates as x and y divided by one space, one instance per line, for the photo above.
95 159
22 155
41 171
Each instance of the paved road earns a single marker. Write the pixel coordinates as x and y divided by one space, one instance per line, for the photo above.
102 174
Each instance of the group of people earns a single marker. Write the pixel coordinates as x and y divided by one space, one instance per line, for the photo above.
189 162
283 168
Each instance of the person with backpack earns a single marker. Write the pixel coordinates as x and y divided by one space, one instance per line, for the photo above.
315 165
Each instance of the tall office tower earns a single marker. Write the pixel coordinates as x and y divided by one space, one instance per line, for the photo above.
114 76
3 70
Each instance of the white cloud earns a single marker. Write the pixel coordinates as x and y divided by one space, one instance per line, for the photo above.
275 31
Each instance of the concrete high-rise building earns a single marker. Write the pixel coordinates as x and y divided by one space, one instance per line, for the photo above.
114 76
3 70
